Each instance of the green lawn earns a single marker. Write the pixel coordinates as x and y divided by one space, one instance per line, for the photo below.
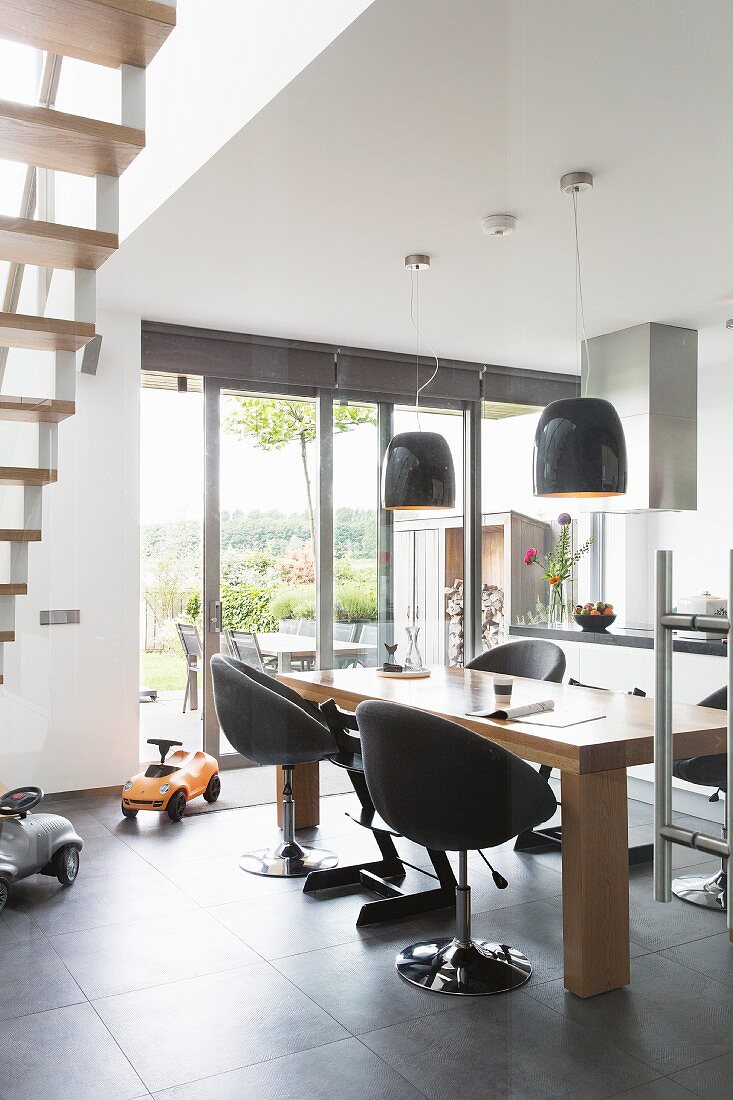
164 671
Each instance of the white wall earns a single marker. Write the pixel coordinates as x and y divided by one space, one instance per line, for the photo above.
225 60
69 710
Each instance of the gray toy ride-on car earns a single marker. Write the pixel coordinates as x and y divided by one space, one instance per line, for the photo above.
44 844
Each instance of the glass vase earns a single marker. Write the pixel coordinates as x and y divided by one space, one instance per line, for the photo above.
556 610
413 660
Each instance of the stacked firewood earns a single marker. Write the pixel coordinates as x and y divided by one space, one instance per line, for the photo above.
492 619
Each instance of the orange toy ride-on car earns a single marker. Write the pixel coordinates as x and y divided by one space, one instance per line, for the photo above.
172 783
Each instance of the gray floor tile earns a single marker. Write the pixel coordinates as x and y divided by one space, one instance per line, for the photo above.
65 1054
216 881
357 984
86 824
104 899
656 925
33 978
662 1089
669 1017
528 881
17 924
501 1047
219 1022
106 855
139 954
292 922
162 842
712 956
710 1080
344 1070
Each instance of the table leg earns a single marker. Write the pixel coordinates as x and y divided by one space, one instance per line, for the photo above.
306 795
595 882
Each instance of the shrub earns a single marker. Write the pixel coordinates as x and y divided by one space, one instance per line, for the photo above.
295 603
247 607
355 603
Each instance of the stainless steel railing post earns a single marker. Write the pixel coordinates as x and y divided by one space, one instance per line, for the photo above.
729 739
662 727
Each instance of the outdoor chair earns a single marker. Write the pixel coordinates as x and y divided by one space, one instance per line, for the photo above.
192 651
245 647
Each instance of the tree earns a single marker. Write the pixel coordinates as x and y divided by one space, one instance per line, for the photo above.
274 423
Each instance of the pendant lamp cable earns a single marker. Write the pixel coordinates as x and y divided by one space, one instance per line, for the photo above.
579 305
415 319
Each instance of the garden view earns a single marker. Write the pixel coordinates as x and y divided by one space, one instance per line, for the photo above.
267 568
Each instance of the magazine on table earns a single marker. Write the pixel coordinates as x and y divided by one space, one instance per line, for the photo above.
542 713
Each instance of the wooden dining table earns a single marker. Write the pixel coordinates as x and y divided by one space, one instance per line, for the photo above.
592 758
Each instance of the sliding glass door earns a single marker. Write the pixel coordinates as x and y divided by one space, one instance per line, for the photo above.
260 534
292 504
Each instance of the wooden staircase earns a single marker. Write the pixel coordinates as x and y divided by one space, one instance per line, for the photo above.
119 34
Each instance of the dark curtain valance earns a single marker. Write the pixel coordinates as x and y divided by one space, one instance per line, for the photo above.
354 372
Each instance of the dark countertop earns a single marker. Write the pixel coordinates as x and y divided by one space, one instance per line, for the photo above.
624 636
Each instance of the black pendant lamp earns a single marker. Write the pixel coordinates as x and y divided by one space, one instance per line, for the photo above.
579 450
417 471
579 446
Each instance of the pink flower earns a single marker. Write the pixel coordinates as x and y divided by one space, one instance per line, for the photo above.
530 556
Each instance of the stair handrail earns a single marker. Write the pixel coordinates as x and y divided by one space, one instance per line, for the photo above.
666 833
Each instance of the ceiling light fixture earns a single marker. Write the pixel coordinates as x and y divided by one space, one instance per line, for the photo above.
499 225
729 323
579 449
417 471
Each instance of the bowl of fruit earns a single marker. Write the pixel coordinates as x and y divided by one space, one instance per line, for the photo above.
595 617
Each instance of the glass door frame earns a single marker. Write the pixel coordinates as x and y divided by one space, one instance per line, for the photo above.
324 398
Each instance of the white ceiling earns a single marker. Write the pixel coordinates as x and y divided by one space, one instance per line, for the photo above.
423 117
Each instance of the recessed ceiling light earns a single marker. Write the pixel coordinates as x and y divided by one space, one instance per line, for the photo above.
729 323
499 225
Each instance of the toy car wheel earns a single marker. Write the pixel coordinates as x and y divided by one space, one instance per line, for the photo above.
213 789
176 807
67 865
127 811
4 891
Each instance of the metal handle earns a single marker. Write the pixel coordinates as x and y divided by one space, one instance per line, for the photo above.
662 728
215 616
665 833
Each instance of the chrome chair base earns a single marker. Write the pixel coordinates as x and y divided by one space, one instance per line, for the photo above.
287 860
707 892
474 970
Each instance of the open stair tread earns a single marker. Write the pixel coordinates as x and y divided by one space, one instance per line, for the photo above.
20 330
20 534
13 589
7 635
35 410
66 143
105 32
47 244
27 475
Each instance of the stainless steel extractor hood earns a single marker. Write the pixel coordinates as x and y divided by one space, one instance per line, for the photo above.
649 373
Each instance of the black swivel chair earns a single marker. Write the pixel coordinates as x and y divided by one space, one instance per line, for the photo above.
534 658
449 789
707 771
270 724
